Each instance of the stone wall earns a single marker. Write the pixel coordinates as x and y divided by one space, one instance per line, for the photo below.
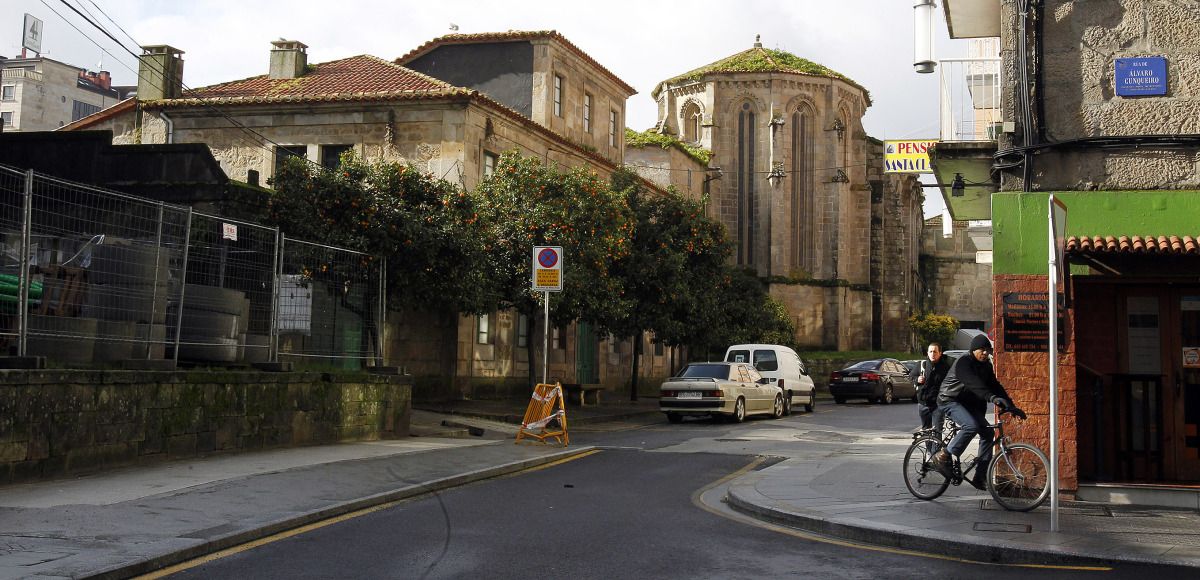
1081 41
579 78
954 283
896 228
668 167
55 423
827 317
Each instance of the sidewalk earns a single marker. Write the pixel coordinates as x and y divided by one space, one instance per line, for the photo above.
860 496
613 407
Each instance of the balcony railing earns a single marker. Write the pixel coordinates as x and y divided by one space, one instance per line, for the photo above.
970 99
20 73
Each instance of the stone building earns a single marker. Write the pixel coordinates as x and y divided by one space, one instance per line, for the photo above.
798 194
41 94
1118 144
382 110
954 281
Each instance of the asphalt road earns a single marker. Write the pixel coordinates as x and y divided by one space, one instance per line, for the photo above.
632 510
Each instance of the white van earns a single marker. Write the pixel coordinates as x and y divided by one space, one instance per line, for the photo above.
785 369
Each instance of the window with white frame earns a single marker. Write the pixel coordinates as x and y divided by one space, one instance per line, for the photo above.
558 93
587 113
612 128
6 118
483 329
490 160
522 331
8 93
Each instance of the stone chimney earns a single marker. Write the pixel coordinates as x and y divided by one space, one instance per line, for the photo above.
160 73
288 59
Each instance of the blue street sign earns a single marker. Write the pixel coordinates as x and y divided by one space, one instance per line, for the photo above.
1141 76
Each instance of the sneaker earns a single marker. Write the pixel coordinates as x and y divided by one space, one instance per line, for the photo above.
941 463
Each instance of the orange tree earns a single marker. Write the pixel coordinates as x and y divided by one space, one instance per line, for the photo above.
428 229
526 204
675 250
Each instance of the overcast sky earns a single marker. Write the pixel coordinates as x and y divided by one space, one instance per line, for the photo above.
643 42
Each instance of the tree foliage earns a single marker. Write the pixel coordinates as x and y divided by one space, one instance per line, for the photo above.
526 204
426 228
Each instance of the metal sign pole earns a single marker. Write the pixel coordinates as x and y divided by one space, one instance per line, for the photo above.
1053 318
546 337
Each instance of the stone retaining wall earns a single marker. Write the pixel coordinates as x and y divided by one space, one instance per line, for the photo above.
58 422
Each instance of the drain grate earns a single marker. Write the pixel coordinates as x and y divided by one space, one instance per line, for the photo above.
1011 528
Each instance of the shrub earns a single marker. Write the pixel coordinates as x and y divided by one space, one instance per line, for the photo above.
932 327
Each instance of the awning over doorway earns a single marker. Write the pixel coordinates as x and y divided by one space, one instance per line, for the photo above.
1176 245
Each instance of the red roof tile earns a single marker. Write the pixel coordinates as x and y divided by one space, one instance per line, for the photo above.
512 36
1133 245
362 77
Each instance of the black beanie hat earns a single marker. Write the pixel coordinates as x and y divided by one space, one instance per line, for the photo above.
980 341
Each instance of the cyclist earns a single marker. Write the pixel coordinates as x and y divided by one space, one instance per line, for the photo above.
966 391
928 377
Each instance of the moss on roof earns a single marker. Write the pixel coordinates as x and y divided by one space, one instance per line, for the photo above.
650 137
760 59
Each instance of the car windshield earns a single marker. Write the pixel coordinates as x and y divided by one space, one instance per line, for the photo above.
706 371
867 365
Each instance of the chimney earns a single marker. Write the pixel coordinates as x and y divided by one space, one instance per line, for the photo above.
104 79
160 73
288 59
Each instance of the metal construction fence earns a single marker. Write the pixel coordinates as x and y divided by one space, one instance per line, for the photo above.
90 277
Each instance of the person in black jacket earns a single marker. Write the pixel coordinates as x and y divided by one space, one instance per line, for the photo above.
928 378
966 391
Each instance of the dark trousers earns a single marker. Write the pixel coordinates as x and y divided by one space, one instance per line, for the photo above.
926 412
972 424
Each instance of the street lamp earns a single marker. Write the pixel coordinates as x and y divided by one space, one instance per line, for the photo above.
923 36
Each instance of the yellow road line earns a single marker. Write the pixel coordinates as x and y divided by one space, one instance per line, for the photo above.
848 544
318 525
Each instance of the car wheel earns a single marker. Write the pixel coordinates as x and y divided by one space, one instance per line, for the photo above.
812 403
739 410
839 400
787 403
889 396
675 417
777 410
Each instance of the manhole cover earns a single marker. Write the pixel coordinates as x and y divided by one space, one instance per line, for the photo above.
1012 528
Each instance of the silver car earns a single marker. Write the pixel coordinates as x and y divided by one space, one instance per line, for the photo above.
729 389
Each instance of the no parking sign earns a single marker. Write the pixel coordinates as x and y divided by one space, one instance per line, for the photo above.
547 268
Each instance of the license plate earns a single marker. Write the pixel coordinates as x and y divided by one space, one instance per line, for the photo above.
849 379
689 395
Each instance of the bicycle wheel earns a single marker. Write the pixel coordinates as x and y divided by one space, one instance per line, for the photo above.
1020 479
921 479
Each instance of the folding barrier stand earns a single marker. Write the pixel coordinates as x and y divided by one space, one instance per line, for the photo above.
545 405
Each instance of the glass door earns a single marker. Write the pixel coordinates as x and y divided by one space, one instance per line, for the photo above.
1185 390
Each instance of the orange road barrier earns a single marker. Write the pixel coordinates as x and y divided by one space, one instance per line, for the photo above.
542 411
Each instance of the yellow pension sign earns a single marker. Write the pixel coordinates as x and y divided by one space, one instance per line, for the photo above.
907 156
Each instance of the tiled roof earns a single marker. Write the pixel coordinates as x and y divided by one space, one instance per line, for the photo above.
357 78
1133 245
512 36
100 115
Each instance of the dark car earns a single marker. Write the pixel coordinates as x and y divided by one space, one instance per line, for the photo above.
882 380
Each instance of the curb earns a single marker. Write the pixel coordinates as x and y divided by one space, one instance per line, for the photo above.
996 551
573 421
281 525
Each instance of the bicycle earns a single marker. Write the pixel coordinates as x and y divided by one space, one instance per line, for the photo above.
1018 477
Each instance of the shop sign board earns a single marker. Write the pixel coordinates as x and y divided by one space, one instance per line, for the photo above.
1026 320
907 156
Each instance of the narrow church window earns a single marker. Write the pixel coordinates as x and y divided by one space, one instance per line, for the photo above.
558 88
691 122
802 192
587 113
745 185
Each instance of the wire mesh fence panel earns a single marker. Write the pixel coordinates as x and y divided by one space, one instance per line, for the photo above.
228 300
12 199
103 268
329 305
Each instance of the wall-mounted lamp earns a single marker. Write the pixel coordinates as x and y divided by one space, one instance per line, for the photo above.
777 173
838 126
923 36
712 174
959 185
840 177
